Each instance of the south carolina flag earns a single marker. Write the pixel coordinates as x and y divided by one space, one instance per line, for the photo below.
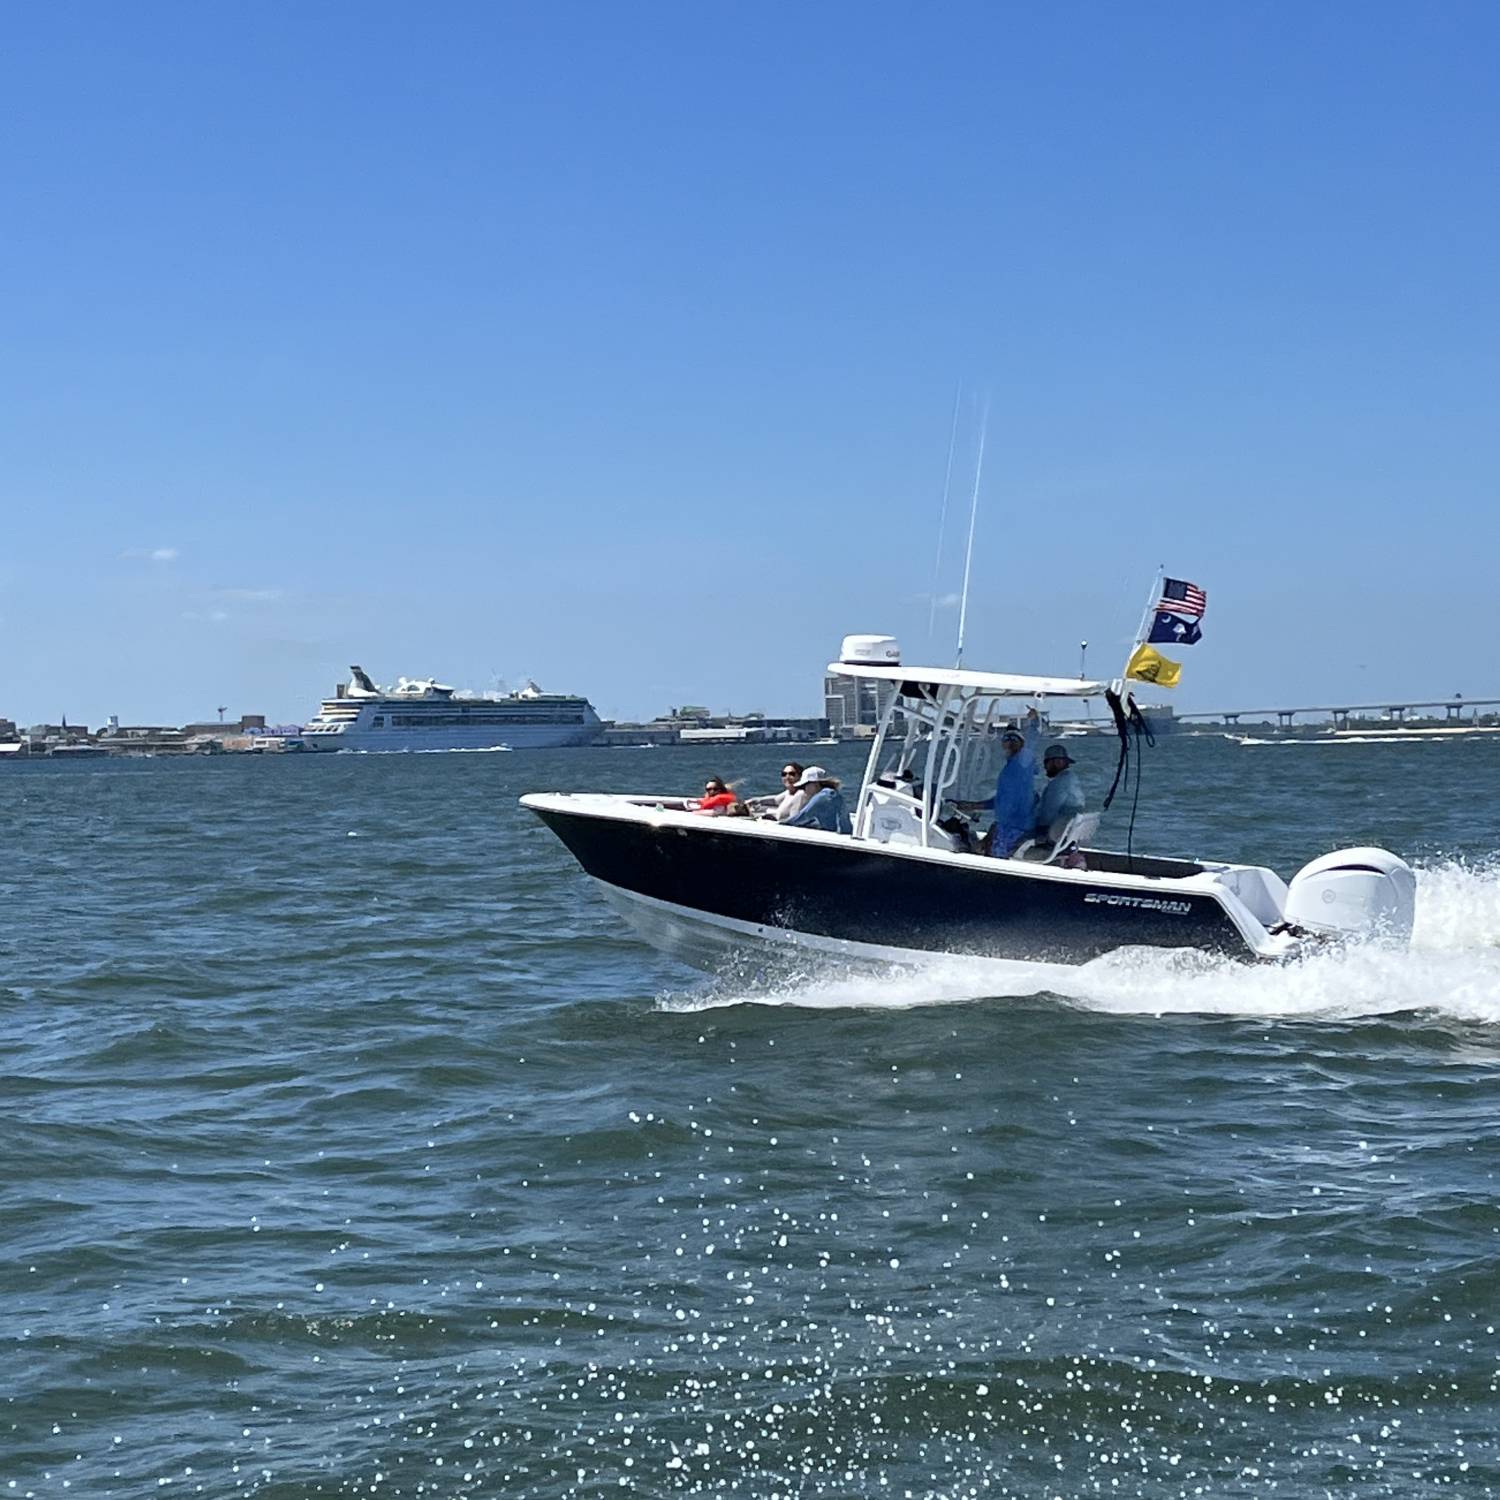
1146 665
1168 629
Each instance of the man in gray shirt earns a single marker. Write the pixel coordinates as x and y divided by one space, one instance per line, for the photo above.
1062 797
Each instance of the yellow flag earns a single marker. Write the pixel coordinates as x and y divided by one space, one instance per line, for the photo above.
1146 665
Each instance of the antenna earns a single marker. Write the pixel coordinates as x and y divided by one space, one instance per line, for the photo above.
963 605
937 564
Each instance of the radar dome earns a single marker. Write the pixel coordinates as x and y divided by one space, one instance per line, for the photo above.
871 651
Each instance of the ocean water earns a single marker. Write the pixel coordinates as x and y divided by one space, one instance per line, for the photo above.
352 1147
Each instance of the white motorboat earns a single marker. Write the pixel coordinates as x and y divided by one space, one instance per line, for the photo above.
907 885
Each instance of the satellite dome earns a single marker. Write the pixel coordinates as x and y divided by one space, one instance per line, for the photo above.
870 651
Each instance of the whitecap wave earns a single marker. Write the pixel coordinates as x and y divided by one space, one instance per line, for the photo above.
1452 968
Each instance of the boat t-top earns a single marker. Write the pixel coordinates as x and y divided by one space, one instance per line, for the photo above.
908 884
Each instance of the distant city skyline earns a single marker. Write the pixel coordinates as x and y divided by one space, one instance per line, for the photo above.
619 348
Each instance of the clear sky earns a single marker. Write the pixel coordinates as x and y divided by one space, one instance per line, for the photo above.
617 345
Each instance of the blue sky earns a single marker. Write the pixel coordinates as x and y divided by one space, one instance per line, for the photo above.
617 345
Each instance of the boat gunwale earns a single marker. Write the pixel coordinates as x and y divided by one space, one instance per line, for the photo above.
635 808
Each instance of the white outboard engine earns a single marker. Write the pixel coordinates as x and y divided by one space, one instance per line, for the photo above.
1355 893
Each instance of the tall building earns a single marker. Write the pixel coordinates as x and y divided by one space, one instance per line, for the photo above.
854 703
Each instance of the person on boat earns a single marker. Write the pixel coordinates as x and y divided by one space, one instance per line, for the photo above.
1062 797
1014 801
825 804
786 803
717 799
1015 794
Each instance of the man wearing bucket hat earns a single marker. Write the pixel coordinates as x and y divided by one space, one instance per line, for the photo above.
1062 797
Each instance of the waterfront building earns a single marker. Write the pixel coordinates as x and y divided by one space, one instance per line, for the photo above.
737 734
633 736
143 739
702 728
853 706
245 724
59 732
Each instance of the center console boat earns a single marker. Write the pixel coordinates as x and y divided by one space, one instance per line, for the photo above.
908 884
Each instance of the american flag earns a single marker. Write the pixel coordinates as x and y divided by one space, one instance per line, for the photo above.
1182 598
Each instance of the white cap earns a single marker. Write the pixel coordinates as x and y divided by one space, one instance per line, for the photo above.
815 773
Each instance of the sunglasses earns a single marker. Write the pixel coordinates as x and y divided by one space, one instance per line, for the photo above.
792 774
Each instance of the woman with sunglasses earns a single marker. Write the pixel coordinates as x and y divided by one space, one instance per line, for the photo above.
786 803
717 799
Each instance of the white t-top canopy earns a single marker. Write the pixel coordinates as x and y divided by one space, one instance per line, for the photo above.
993 684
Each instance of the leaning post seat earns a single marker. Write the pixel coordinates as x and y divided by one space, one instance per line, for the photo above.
1080 829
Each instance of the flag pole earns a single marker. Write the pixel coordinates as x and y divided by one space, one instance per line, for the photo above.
1144 628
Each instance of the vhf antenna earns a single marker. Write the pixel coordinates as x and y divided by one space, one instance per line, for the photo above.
963 604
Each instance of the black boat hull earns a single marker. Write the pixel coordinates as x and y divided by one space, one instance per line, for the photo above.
830 892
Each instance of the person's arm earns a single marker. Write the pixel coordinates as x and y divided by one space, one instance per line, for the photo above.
1046 810
1074 801
992 801
790 805
809 816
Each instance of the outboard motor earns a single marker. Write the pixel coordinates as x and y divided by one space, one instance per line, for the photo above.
1355 893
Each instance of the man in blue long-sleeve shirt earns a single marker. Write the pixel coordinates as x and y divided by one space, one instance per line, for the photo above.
1014 800
1015 794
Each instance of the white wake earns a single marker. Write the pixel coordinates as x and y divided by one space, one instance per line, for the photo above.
1452 968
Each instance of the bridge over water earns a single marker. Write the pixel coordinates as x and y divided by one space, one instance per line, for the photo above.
1453 708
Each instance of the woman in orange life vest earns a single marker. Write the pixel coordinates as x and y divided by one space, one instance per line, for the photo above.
717 799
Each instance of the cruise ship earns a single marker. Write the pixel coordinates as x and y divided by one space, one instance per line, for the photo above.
422 714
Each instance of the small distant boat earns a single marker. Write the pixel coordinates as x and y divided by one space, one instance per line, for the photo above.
905 887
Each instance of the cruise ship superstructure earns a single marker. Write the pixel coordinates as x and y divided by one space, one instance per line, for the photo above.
422 714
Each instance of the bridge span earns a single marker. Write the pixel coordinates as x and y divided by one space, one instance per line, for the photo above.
1453 708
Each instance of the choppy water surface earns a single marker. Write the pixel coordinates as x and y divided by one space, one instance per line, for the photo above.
352 1148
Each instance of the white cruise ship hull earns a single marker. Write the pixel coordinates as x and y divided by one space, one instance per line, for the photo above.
478 737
